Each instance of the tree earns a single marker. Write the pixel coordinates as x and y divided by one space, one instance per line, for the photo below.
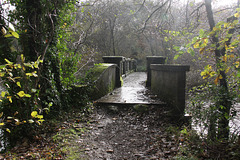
40 25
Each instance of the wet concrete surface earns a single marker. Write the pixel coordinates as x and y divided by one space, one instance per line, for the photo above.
133 91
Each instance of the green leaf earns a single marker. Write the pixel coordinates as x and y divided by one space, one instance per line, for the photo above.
27 95
201 33
238 74
2 66
176 48
176 56
15 34
82 10
50 104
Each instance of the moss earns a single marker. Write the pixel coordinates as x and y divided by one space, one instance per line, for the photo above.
97 70
121 80
141 108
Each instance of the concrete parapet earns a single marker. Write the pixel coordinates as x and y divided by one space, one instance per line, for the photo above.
124 66
153 60
118 61
168 82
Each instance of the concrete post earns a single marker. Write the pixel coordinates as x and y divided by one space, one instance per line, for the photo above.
168 82
115 60
153 60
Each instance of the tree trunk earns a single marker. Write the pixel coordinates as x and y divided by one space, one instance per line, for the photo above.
223 104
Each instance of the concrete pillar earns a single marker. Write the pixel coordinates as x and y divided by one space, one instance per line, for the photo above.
169 82
115 60
153 60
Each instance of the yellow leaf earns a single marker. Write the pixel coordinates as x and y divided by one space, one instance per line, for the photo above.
225 58
22 58
227 70
8 130
34 114
9 98
2 124
35 65
216 80
40 116
236 15
0 100
225 25
205 40
15 34
3 94
7 35
17 123
21 94
19 85
41 120
29 74
8 61
196 45
201 50
237 64
2 74
1 114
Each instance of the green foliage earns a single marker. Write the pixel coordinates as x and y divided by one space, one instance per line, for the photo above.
44 31
219 47
19 106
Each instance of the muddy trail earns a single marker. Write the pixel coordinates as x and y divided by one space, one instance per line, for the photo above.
126 132
128 123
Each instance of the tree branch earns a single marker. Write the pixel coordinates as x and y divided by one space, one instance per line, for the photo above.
150 16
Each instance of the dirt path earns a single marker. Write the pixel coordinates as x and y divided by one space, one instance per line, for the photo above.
126 133
132 130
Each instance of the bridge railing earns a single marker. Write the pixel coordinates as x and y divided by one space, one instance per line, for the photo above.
124 66
168 81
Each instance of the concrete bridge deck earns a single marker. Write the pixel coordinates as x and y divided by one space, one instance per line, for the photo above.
132 92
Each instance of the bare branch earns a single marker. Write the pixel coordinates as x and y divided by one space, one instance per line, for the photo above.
149 17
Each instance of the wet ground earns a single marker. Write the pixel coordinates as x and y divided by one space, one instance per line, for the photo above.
124 133
132 130
133 91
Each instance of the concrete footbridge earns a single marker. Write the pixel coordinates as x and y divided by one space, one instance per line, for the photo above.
162 84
